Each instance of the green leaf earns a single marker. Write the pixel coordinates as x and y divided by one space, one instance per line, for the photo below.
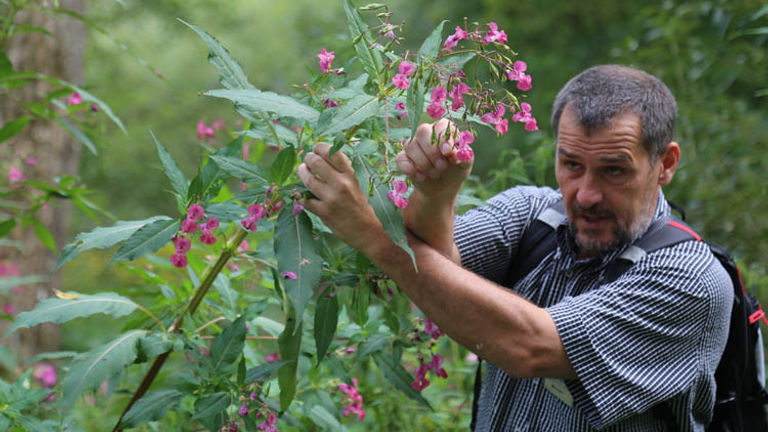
211 405
6 67
7 226
283 165
231 75
60 310
252 102
357 31
210 179
240 169
228 345
178 181
154 344
431 46
88 97
13 127
399 377
326 319
33 424
103 238
321 417
385 210
224 288
289 343
373 344
263 371
457 61
297 252
226 212
77 133
147 239
151 407
241 372
99 364
759 93
414 103
44 234
7 283
355 111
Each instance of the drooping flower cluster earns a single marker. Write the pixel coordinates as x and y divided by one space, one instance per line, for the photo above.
405 69
195 220
204 131
524 116
420 381
255 213
353 400
517 73
270 424
396 195
464 152
326 58
497 119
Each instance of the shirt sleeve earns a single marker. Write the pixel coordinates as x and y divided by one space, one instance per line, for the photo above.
654 333
487 237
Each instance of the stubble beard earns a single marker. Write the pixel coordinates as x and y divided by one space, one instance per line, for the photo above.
622 234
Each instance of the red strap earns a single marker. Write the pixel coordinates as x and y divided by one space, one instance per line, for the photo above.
685 228
758 315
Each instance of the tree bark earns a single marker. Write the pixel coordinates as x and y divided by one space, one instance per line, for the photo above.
59 55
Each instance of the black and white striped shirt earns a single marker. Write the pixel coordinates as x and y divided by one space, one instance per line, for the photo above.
654 334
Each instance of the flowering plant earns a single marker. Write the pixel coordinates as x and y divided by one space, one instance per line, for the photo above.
290 286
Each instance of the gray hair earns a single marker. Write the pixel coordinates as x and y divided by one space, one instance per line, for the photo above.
600 93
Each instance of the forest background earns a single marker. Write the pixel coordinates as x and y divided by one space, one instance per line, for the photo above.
150 69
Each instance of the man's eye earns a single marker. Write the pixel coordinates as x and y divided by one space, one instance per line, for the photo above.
572 165
615 171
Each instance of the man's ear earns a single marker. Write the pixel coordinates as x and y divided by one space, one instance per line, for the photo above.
669 160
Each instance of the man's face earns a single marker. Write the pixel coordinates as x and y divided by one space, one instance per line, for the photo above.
609 186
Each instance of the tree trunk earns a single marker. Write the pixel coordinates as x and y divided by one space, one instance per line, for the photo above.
59 55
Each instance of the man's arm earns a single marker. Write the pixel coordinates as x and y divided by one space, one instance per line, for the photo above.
498 325
429 161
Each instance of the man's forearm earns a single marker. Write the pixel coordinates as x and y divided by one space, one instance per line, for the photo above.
431 220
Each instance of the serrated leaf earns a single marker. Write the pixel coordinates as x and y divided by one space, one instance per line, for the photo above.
226 212
326 319
77 133
457 61
59 310
414 103
211 405
352 89
147 239
357 31
283 165
154 344
385 210
171 169
430 48
289 343
6 67
399 377
321 417
355 111
103 238
240 169
263 371
372 344
253 101
44 234
228 345
209 180
151 407
231 75
7 226
224 288
297 252
284 134
33 424
13 127
100 364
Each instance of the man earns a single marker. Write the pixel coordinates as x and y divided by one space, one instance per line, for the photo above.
565 350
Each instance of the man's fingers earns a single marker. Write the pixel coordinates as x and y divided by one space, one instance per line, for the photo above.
314 205
312 182
339 161
320 167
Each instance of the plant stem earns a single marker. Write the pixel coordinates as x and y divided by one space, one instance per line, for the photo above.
200 293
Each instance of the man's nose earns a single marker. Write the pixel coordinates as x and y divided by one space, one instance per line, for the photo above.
590 192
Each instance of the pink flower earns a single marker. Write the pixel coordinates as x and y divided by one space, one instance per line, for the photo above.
420 381
465 154
396 195
45 374
31 161
218 124
530 125
249 224
256 211
204 131
330 103
195 212
431 329
438 95
518 74
179 260
207 238
243 411
497 119
253 396
400 106
465 138
297 208
74 99
181 244
523 114
325 60
406 68
525 83
244 246
270 358
402 115
289 275
9 309
390 35
15 175
401 81
453 40
268 425
436 365
435 110
353 400
188 226
494 34
502 126
95 108
456 94
213 223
